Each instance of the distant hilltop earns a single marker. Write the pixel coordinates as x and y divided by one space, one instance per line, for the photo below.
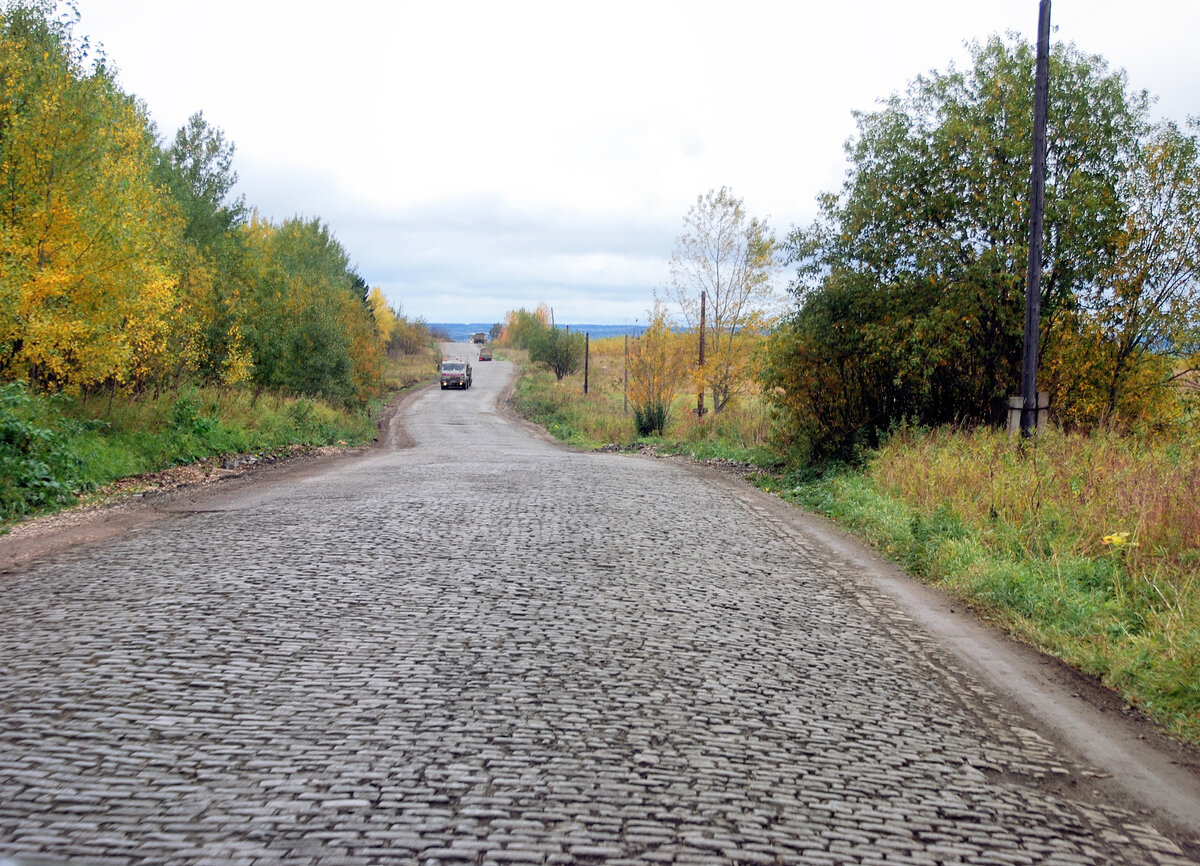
461 332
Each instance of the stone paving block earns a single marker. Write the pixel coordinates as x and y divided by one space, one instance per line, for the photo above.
611 660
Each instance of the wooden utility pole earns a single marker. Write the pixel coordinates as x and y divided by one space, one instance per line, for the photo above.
625 392
587 354
700 395
1037 184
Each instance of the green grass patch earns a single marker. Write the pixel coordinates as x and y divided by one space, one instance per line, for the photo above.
55 449
542 399
1130 619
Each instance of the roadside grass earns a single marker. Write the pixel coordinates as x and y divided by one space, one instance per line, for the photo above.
403 372
604 416
55 451
145 435
1086 547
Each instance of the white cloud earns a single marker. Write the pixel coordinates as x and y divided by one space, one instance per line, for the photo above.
482 155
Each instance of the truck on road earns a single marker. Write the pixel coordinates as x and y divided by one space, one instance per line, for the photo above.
456 373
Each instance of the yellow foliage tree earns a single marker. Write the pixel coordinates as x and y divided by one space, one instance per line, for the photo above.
367 344
384 316
657 362
85 289
521 325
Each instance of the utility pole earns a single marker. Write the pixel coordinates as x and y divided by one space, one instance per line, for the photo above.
1033 279
700 395
587 354
625 392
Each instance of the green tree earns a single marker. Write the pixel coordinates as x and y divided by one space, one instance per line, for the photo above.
910 285
1137 329
560 350
197 170
309 326
731 259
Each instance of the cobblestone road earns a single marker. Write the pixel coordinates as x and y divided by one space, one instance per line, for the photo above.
486 649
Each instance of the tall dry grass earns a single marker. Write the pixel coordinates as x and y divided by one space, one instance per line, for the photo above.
1087 546
605 415
1089 492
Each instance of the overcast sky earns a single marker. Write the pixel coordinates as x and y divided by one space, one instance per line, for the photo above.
476 157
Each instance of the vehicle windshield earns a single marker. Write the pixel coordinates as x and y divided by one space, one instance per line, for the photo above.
450 367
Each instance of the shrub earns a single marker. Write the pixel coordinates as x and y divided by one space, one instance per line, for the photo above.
650 418
656 365
37 466
560 351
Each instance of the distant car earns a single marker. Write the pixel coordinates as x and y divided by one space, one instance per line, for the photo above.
479 337
456 374
485 353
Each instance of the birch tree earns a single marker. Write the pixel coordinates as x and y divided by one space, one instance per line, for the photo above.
730 258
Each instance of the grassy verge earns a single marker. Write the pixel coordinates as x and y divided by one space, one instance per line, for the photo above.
603 417
53 451
409 371
1085 547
